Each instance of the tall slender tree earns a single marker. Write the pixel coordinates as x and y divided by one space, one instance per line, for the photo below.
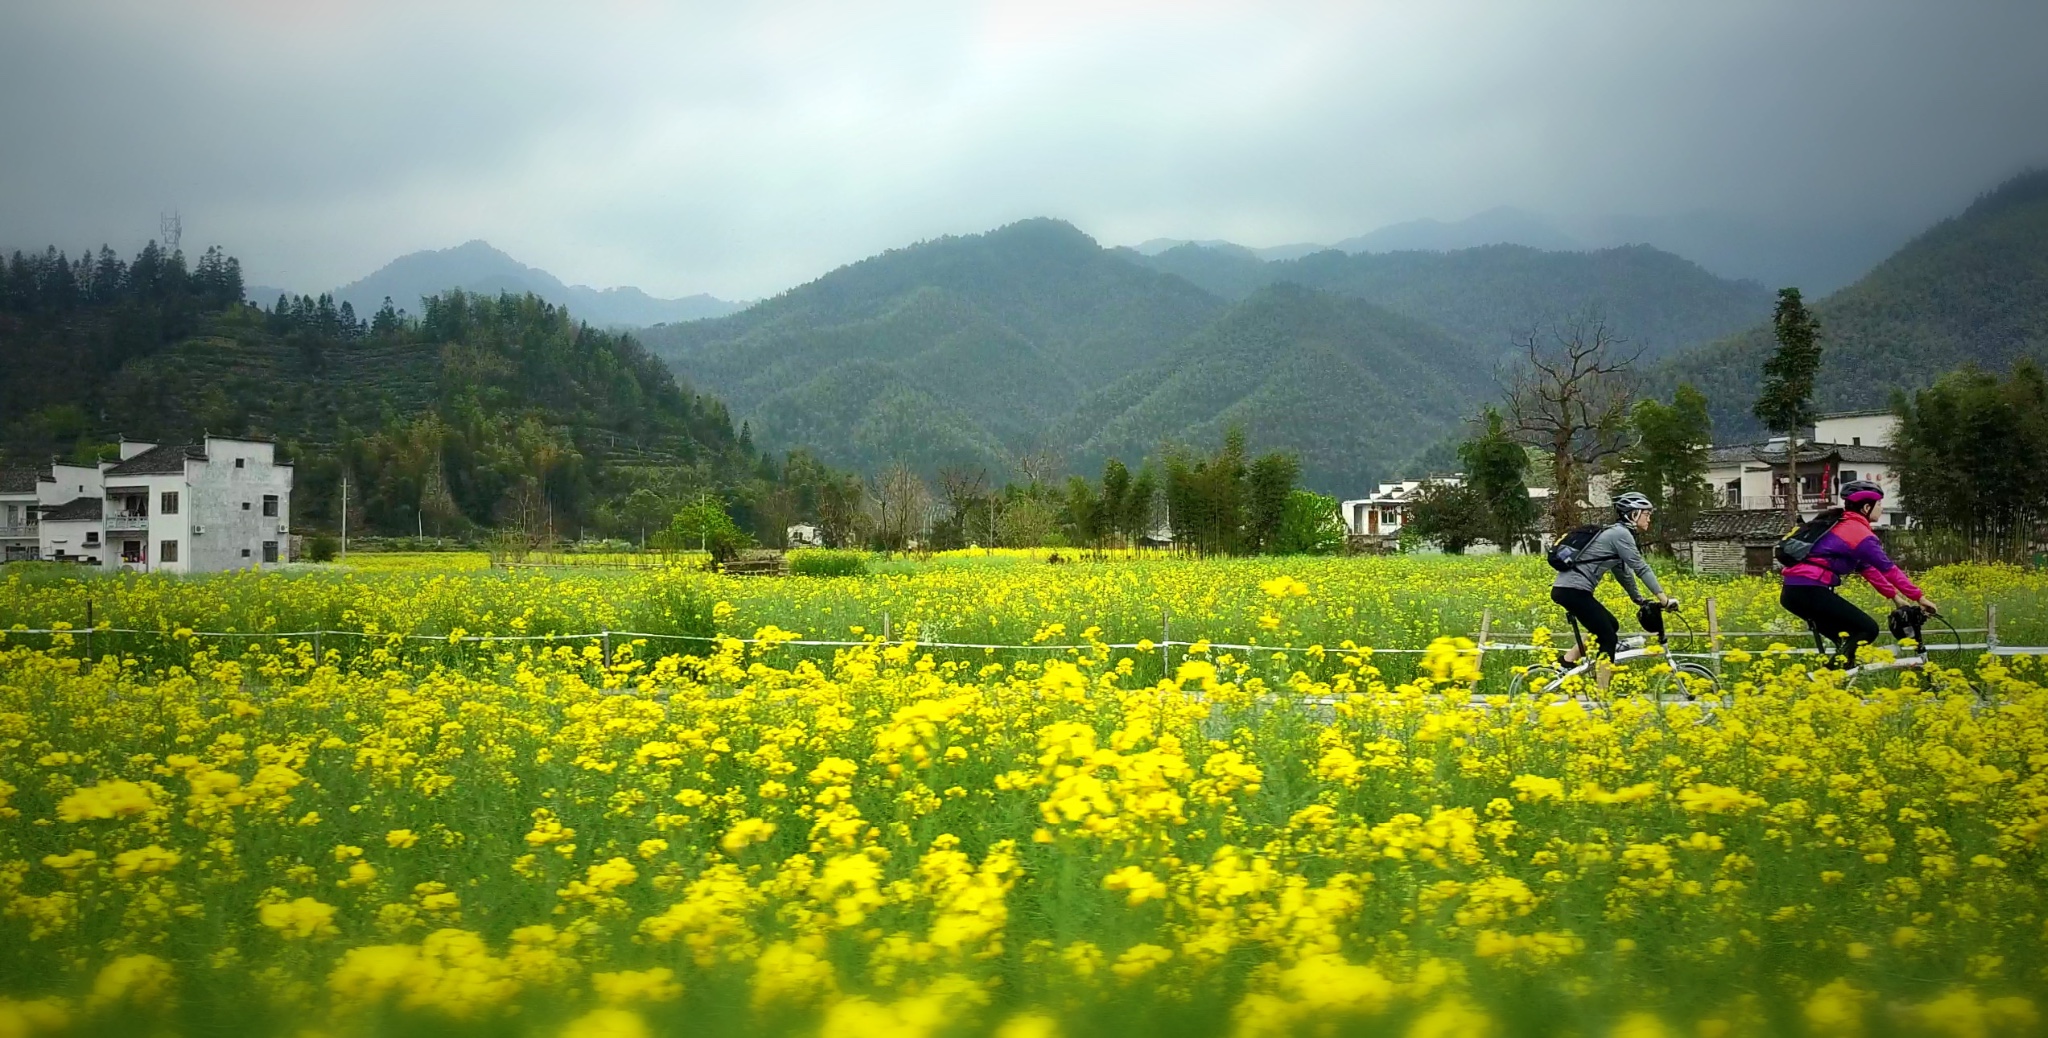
1497 469
1668 463
1786 404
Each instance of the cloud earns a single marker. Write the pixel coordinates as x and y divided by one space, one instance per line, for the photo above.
740 149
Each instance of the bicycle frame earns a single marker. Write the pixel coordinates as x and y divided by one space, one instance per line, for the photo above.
1590 661
1856 670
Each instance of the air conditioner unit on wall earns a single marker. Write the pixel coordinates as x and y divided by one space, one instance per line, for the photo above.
197 530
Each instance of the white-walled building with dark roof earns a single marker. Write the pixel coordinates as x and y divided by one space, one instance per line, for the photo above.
26 494
178 508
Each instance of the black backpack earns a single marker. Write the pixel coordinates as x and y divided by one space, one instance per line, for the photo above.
1565 553
1794 547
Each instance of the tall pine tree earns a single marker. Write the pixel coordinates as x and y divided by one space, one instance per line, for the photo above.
1786 404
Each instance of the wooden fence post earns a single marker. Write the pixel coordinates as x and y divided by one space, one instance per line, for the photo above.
1166 644
1714 632
1991 628
1485 632
885 627
607 650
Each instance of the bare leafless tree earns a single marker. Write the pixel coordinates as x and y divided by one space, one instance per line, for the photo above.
965 494
1568 395
1039 466
902 507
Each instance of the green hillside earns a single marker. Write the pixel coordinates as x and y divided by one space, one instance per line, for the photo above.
1488 295
975 350
1971 289
963 350
1352 387
480 412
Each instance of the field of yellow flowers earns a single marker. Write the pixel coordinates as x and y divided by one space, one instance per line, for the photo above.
206 835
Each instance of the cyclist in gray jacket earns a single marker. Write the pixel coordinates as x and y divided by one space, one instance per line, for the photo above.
1611 550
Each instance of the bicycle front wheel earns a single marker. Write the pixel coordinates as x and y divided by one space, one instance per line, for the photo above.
1533 679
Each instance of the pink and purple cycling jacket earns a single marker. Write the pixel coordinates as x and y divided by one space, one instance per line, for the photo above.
1852 547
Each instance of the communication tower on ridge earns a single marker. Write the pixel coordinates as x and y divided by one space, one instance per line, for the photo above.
173 229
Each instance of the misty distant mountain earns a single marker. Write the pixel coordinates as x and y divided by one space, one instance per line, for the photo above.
1501 225
1271 253
1486 296
1973 289
1817 257
477 267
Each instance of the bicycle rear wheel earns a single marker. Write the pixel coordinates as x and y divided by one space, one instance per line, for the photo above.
1687 682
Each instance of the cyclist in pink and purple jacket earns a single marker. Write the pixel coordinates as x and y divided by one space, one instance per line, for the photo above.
1850 547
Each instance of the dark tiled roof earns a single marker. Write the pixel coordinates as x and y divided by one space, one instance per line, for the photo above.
19 481
160 461
1853 453
87 508
1736 524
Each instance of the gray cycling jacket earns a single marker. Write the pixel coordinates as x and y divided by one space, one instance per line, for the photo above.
1613 548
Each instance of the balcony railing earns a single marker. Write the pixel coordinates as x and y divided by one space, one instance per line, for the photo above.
1776 503
19 531
124 521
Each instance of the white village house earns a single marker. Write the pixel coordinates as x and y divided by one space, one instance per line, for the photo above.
1750 481
25 494
1375 522
181 508
1843 447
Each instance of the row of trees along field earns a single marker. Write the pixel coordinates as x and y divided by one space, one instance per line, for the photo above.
1971 452
1222 503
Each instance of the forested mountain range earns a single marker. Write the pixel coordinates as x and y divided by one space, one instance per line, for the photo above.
480 411
1972 289
974 350
479 269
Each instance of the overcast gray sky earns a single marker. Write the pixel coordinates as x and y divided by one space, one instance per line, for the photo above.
742 148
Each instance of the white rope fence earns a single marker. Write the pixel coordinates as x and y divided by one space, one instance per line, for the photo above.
1484 643
607 635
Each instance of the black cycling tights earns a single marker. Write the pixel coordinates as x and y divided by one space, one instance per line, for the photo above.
1587 610
1835 617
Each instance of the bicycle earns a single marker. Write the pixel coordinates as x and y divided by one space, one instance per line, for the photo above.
1691 678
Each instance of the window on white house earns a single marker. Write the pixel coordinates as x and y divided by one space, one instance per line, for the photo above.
270 551
168 503
238 462
167 551
270 504
92 536
245 506
245 553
